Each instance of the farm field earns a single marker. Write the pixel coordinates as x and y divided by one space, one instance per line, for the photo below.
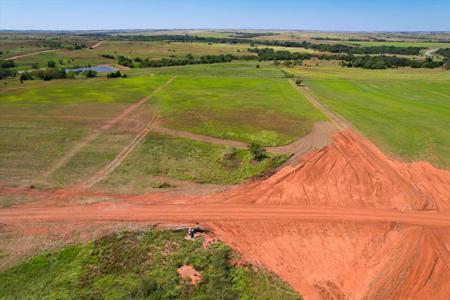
251 176
40 122
266 111
405 112
241 69
143 50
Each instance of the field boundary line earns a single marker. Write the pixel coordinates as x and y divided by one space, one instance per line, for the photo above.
89 138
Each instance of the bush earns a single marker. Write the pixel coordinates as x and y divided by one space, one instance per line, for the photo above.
298 82
257 151
51 64
125 61
50 74
4 73
90 73
8 64
107 56
116 75
25 76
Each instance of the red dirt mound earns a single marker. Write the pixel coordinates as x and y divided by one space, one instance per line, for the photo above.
350 173
188 272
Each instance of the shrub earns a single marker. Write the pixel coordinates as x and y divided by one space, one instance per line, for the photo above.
51 64
50 74
90 73
116 75
298 82
8 64
25 76
257 151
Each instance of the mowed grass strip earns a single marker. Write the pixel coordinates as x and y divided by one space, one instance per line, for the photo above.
267 111
139 265
408 115
183 159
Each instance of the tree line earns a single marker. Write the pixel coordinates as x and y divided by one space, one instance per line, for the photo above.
349 60
333 48
167 62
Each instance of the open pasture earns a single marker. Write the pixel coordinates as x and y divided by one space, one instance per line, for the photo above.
404 111
40 121
267 111
238 69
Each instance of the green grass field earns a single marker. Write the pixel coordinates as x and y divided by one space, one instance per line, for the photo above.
404 111
40 121
43 120
267 111
233 69
139 265
159 158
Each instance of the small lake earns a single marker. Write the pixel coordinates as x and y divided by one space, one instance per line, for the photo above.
99 69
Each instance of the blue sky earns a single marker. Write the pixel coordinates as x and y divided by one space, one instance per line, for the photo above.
358 15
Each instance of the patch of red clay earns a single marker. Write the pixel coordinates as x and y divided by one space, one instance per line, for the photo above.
188 272
346 222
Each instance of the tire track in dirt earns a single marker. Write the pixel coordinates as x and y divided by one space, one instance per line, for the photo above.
106 170
89 138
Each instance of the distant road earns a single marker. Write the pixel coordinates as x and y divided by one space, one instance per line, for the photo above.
430 52
29 54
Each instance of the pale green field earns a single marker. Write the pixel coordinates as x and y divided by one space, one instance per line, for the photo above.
406 112
267 111
402 44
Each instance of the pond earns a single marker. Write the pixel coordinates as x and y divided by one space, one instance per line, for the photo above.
101 68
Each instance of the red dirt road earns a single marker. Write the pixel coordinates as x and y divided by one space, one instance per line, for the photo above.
346 222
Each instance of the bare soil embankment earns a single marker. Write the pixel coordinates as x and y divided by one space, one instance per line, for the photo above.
346 222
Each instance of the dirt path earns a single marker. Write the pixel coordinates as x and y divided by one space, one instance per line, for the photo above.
89 138
98 44
134 211
339 123
29 54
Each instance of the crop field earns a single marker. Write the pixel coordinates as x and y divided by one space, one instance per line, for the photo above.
405 112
